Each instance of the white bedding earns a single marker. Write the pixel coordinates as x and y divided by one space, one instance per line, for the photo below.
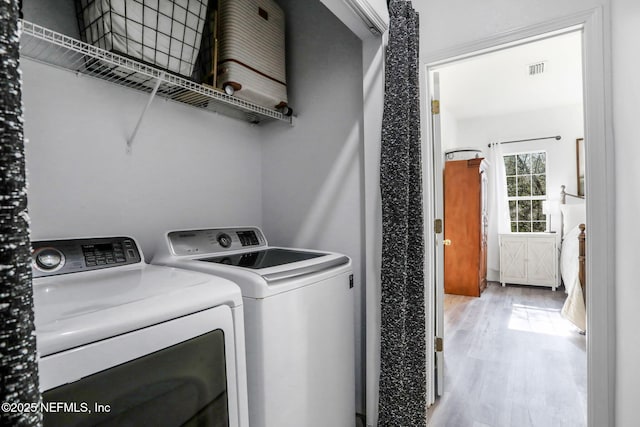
574 309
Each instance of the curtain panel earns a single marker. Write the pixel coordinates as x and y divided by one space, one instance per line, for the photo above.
402 398
19 365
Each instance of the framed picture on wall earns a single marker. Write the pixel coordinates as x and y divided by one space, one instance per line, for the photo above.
580 165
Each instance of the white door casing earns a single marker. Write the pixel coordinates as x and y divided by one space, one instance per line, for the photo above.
600 187
438 238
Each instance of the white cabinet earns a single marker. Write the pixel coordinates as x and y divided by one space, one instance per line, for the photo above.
529 259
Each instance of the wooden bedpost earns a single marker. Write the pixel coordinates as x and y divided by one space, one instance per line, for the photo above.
582 265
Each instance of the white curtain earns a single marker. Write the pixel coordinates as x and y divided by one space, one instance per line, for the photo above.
497 210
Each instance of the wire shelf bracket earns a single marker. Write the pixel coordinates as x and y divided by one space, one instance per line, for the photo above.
43 45
135 130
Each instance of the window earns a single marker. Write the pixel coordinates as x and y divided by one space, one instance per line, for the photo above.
526 190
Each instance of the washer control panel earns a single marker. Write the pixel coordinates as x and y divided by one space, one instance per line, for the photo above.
215 240
52 257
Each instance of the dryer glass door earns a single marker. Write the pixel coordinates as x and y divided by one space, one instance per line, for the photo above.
181 385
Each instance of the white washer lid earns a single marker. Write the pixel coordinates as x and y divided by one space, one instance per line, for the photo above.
79 308
266 282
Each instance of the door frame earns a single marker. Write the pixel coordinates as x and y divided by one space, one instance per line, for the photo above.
599 187
437 210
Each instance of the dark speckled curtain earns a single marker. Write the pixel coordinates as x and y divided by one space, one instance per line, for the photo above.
18 364
403 385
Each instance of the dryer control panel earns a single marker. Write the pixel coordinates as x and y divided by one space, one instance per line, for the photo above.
215 240
52 257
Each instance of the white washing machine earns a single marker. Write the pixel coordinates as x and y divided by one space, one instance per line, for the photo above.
299 322
125 343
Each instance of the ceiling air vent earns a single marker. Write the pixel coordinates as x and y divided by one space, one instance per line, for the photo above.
537 68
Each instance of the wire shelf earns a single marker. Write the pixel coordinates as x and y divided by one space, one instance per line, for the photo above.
47 46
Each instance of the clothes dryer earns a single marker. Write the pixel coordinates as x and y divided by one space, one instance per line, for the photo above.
126 343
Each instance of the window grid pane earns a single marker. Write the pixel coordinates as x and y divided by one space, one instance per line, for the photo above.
537 213
524 164
524 186
539 226
512 190
513 212
510 165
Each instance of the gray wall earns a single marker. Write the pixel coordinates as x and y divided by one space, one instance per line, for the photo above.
312 173
57 15
190 168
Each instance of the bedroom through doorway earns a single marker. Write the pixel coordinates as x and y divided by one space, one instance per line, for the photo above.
511 125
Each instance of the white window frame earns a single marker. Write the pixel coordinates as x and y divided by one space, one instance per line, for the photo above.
530 198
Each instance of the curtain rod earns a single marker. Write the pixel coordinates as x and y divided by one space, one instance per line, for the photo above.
557 138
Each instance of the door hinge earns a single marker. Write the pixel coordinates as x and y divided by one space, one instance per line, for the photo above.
439 344
437 226
435 106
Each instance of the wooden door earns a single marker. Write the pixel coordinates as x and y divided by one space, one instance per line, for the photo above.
462 227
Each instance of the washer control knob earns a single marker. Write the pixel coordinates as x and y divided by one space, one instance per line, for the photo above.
224 239
49 259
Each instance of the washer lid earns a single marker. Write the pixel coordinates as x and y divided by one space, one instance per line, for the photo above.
268 281
275 264
271 257
80 308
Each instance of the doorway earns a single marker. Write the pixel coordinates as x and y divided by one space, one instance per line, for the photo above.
521 94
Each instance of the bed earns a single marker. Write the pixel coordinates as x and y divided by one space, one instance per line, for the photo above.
572 259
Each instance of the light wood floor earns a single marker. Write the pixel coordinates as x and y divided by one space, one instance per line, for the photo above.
511 360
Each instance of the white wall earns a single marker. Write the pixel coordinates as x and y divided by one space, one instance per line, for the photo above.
561 155
188 168
626 92
312 173
448 129
458 22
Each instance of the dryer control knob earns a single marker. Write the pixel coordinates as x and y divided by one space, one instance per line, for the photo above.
225 240
49 259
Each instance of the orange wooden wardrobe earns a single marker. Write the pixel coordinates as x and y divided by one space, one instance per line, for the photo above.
465 227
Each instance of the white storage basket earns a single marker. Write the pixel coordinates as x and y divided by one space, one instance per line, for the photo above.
163 33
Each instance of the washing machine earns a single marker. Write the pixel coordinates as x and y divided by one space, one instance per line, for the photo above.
121 342
299 322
